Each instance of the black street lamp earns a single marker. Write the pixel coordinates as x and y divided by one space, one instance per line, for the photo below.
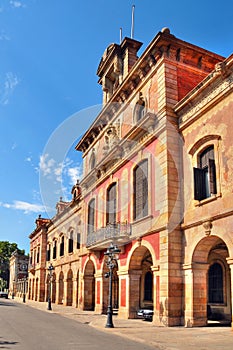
50 269
112 255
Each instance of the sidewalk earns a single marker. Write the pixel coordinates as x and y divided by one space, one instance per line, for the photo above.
172 338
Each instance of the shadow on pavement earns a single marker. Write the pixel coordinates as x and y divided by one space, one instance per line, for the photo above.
4 343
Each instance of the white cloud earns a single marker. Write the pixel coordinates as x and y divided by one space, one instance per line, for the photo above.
9 85
25 206
46 165
17 4
3 35
74 173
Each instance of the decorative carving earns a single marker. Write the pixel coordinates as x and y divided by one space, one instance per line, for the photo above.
217 90
221 68
207 227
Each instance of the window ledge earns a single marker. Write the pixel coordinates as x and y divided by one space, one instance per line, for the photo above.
207 200
144 218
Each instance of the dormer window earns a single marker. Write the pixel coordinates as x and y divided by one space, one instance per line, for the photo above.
92 160
139 110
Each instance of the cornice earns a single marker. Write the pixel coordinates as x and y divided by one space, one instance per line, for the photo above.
202 98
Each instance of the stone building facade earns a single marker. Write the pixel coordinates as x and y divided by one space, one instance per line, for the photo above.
156 183
18 274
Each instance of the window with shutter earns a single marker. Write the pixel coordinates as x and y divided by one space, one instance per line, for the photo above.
140 184
111 204
205 175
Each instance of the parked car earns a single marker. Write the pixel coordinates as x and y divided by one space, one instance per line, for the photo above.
4 295
146 313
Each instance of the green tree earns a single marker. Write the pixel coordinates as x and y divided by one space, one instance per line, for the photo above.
6 249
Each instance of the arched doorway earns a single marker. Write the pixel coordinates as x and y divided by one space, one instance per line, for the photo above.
89 286
61 288
47 287
210 284
54 288
141 287
69 288
77 290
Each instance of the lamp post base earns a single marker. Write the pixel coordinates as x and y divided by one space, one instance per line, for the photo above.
109 323
49 305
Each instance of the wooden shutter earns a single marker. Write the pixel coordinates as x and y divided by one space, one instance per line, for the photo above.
199 184
212 176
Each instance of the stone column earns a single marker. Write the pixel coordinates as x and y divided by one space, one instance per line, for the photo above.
195 294
134 292
123 311
230 262
156 294
65 292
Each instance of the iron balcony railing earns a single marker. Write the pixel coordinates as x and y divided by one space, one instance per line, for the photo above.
116 231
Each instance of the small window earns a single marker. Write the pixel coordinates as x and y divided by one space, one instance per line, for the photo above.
48 253
38 256
62 246
216 284
71 243
55 250
91 216
140 186
78 240
92 161
111 204
205 175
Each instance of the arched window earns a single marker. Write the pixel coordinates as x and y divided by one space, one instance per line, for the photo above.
92 160
91 216
78 240
140 190
111 204
148 286
71 243
48 253
62 246
215 277
205 175
55 249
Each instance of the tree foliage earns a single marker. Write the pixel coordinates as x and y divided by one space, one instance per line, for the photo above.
6 250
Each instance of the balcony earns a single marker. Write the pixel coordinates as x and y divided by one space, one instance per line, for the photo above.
119 233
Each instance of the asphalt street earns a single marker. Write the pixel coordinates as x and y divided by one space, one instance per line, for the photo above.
26 328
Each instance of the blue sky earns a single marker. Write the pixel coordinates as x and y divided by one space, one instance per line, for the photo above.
49 54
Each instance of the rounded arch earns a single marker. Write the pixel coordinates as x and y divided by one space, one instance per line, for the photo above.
141 286
69 294
204 246
202 143
89 285
53 288
144 245
61 288
211 282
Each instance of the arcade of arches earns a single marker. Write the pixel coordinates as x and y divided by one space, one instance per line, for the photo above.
136 284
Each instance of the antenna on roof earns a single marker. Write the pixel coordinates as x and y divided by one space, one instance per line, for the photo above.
120 35
132 26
